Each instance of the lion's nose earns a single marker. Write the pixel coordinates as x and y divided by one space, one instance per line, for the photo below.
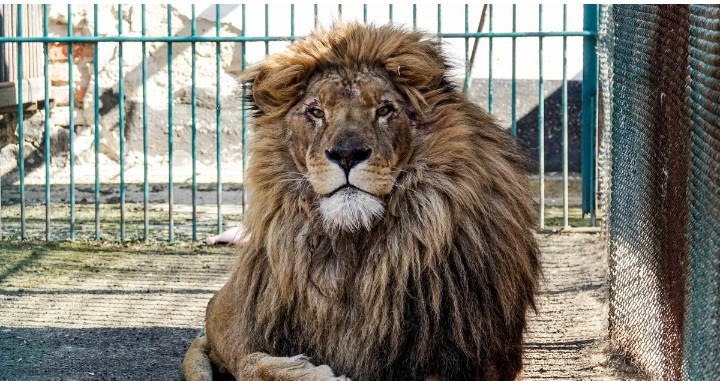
348 157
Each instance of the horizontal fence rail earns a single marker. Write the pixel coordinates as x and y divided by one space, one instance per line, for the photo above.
589 112
191 38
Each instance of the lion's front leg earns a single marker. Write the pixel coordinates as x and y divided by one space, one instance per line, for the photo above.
261 366
196 365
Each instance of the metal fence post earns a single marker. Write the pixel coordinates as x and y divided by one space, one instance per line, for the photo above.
21 123
589 110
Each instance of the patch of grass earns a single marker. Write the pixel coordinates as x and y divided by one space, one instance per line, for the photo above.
554 217
40 263
109 222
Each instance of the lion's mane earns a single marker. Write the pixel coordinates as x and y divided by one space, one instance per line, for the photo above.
441 284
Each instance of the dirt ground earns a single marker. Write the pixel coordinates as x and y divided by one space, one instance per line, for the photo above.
75 311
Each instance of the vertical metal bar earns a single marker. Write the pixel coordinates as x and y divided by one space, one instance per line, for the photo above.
315 16
490 61
292 21
171 222
243 66
1 225
566 223
267 30
414 17
589 99
121 124
390 13
146 190
541 123
46 108
193 113
71 123
365 13
96 122
439 18
467 48
218 121
21 127
513 82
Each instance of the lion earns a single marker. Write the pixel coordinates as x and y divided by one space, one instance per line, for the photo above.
390 223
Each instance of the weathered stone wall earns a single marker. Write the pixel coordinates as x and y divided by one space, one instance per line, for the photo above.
108 62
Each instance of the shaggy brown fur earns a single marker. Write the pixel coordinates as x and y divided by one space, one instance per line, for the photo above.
437 288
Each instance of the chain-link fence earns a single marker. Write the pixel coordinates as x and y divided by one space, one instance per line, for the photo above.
702 316
660 74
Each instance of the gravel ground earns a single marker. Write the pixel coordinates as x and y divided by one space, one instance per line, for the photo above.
75 311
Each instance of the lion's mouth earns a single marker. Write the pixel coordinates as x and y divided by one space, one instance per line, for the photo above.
349 188
349 208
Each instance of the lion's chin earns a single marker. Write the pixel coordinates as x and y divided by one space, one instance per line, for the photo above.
350 210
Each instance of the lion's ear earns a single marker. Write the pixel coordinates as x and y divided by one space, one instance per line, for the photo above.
421 66
419 71
275 84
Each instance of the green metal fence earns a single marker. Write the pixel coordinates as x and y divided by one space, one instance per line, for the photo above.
589 109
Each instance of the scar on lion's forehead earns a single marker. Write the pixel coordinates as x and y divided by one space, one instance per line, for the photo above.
350 86
351 92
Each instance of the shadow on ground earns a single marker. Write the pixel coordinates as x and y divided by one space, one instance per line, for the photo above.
151 353
102 311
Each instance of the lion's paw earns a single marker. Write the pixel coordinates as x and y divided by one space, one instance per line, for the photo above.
296 367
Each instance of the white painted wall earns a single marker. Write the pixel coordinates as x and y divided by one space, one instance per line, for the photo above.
453 20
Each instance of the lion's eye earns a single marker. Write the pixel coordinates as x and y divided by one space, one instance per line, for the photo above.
384 110
316 112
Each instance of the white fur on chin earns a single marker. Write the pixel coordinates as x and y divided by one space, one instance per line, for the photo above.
350 209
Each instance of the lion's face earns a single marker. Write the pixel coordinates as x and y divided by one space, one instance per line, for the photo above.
350 134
